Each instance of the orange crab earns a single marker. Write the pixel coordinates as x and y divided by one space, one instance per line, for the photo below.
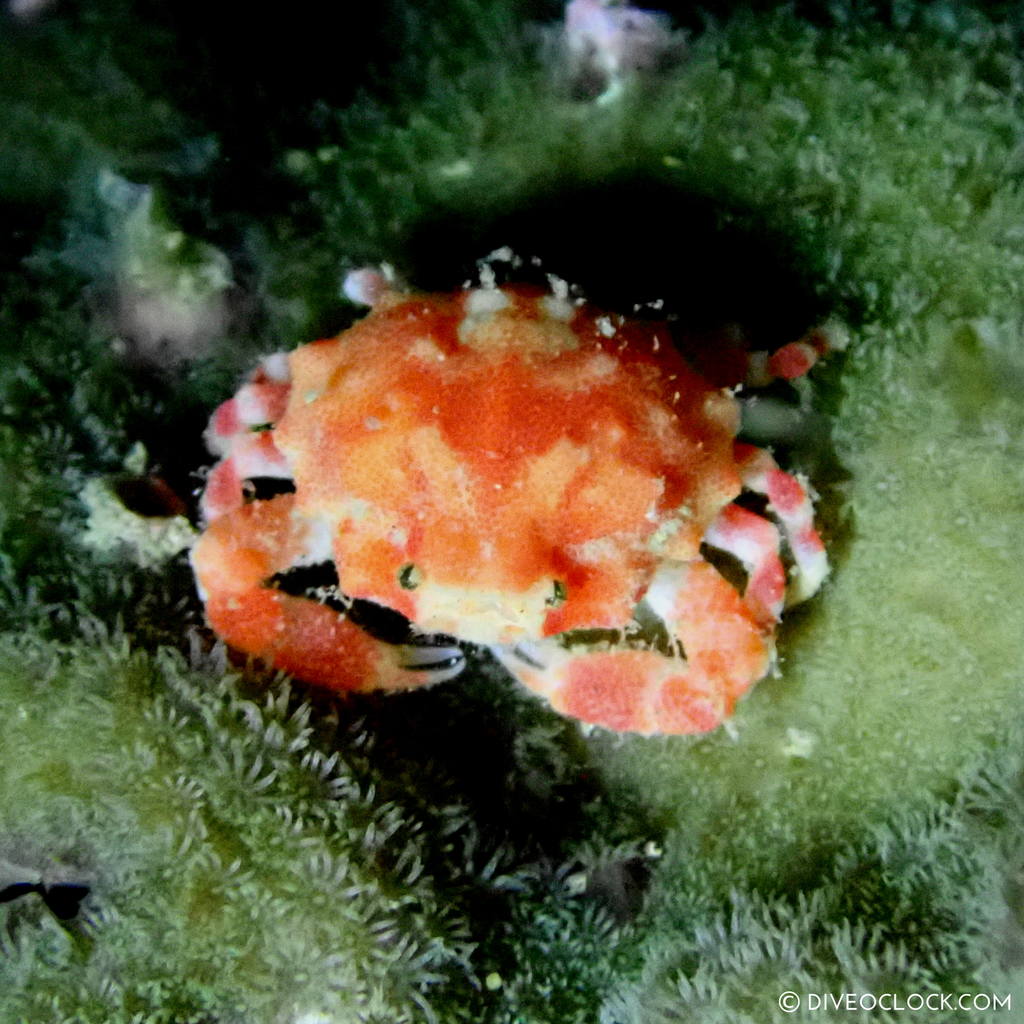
514 469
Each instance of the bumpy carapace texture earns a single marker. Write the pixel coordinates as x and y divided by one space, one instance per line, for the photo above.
505 465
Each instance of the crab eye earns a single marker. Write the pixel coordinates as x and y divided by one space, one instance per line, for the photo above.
409 577
558 596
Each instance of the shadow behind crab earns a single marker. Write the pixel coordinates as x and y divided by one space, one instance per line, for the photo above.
635 242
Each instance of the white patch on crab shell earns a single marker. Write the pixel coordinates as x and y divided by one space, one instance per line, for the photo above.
318 543
480 305
484 302
601 365
426 350
488 279
398 537
667 530
482 615
598 550
357 510
559 287
721 407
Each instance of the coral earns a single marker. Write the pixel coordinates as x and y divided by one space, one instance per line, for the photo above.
151 539
239 868
463 854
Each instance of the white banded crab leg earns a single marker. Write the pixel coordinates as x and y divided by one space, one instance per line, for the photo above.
726 652
237 559
260 402
237 433
754 541
790 503
793 360
251 456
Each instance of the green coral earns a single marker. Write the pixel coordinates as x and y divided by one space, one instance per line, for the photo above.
239 868
462 853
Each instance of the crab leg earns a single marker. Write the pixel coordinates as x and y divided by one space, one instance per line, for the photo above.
790 503
791 361
726 652
235 562
252 455
258 403
754 541
239 432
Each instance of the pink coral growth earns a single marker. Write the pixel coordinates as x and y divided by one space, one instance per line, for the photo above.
608 40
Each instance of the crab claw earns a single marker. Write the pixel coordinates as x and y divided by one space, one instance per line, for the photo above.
236 561
434 664
725 651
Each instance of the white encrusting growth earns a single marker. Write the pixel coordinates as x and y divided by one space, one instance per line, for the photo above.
558 308
483 302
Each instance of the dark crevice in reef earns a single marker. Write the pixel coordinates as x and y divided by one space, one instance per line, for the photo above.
634 240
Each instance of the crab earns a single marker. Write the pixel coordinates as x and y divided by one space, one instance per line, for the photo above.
514 468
